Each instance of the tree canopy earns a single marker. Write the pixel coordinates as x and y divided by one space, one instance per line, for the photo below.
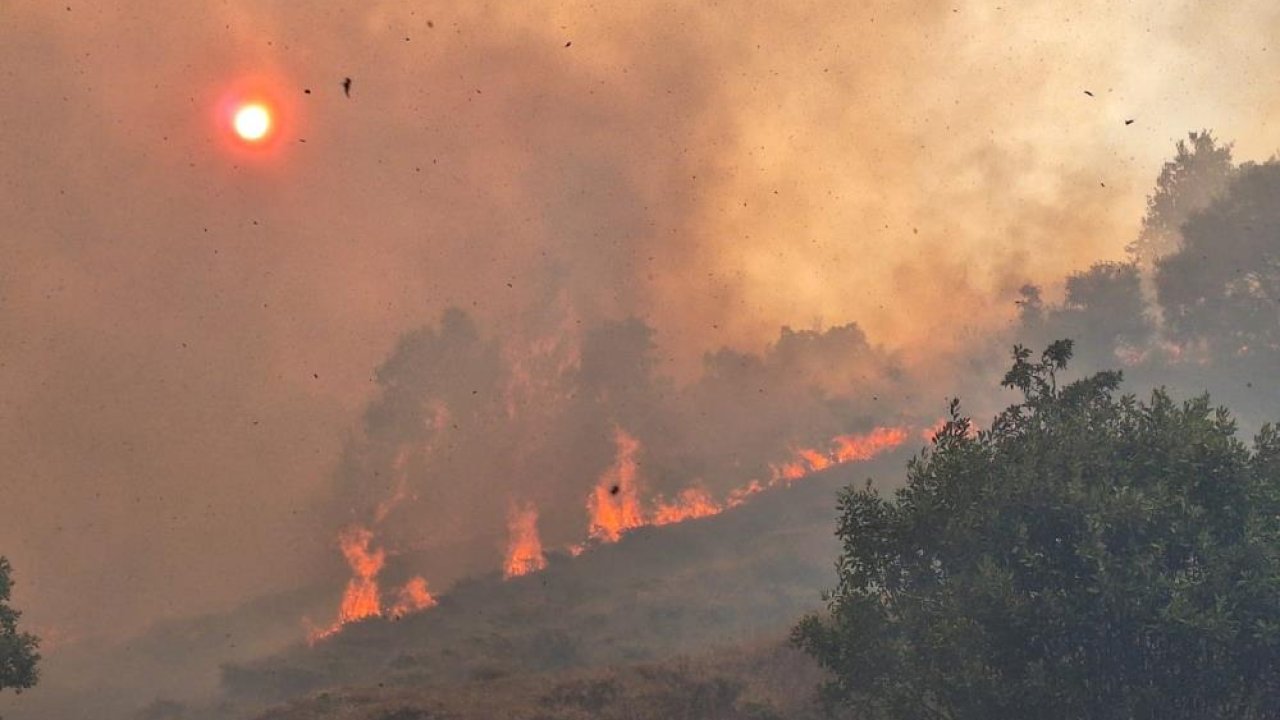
1103 311
1198 171
1223 286
1089 556
18 655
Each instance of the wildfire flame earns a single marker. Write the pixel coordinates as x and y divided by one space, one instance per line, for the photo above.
844 449
414 596
614 508
362 598
929 433
691 503
614 504
524 547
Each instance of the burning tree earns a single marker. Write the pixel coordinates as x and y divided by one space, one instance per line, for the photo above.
18 656
1089 556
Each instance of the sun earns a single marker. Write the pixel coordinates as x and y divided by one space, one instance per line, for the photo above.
252 122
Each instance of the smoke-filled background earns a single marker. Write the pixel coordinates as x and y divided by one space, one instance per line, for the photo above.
531 226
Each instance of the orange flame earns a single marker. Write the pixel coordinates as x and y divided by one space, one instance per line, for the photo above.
524 547
361 598
844 449
855 448
414 596
929 433
614 505
693 502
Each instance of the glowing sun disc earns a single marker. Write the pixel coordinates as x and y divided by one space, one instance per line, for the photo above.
252 122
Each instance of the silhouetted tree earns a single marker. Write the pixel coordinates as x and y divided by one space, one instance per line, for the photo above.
1089 556
1223 287
1199 170
18 656
1103 312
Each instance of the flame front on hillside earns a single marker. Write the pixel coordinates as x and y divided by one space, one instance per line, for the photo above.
691 503
844 449
524 547
414 596
362 598
614 506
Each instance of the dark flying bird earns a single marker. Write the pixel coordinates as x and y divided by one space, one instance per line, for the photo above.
346 86
1086 92
1128 122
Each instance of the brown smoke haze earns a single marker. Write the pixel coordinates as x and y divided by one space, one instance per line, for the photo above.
199 346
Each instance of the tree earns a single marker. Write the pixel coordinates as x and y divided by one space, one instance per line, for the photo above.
1103 312
1089 556
18 656
1186 184
1223 287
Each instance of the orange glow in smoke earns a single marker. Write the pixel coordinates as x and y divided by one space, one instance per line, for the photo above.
524 547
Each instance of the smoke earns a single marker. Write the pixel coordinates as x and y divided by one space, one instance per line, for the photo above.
463 428
188 334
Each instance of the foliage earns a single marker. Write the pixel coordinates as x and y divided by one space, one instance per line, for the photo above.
18 656
1103 312
1186 184
1089 556
1223 288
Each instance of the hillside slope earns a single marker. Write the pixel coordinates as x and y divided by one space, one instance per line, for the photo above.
738 579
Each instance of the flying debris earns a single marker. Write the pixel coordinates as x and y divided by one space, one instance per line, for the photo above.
1128 122
1090 94
346 86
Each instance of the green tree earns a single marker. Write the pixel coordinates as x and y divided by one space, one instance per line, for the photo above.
1089 556
18 655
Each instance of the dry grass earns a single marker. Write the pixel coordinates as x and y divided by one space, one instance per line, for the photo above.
764 683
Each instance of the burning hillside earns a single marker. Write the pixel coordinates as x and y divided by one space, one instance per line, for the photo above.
660 590
509 448
618 503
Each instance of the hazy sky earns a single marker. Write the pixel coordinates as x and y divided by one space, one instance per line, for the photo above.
188 329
